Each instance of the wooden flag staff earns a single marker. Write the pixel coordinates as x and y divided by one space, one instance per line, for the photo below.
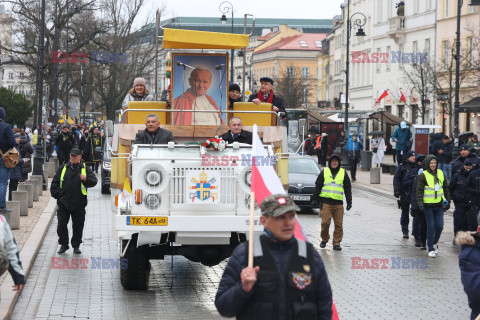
252 222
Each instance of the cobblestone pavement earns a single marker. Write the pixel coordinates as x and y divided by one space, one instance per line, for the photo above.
188 290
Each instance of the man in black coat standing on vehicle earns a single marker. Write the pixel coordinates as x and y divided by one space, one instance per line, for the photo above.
153 134
266 95
236 133
69 187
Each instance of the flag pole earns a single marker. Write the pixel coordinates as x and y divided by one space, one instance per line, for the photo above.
252 221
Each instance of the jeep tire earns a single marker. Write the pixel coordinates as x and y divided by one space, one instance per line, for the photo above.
137 273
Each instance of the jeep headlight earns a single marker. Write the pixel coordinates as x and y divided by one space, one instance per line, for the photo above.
248 178
245 179
153 201
153 178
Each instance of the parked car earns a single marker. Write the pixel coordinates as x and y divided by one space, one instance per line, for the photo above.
302 174
105 170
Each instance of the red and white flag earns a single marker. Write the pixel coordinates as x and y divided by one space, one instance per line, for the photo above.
402 97
384 94
265 182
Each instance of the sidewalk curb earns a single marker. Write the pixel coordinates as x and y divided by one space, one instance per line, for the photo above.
28 255
380 192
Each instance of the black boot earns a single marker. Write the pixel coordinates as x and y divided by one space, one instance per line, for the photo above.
418 243
423 245
62 249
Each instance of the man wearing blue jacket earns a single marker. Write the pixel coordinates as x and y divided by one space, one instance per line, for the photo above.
288 280
401 136
7 141
469 261
354 149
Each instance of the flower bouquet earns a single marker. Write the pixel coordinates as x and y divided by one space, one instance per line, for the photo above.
216 144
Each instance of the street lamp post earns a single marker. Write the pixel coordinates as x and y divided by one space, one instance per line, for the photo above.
226 7
38 159
76 10
55 68
358 23
456 130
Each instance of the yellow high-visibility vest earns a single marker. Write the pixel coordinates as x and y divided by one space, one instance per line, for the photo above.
84 172
333 188
429 193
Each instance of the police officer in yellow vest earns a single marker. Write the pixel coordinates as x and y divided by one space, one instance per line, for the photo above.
331 185
69 187
433 198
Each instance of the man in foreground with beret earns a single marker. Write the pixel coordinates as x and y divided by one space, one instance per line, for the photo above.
288 279
266 95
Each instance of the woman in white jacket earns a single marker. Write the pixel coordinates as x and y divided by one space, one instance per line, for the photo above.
139 92
379 146
8 243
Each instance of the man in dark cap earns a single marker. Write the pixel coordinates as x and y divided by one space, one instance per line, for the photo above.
65 142
233 94
472 186
69 187
464 154
461 198
266 95
330 187
288 279
474 144
402 191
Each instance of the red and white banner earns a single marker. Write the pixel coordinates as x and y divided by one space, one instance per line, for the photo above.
265 182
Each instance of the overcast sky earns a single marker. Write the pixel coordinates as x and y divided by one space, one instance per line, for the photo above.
295 9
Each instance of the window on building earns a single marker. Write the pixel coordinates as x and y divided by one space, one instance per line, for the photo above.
10 75
400 109
470 50
415 47
305 72
22 75
428 5
414 113
290 72
379 10
417 5
303 43
445 11
446 54
401 48
306 94
389 49
389 9
319 72
318 43
427 46
379 63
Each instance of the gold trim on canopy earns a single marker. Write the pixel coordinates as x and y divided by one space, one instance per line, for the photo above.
190 39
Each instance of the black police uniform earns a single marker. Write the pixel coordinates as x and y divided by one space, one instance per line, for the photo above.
95 143
71 201
461 199
458 163
472 185
64 143
400 190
